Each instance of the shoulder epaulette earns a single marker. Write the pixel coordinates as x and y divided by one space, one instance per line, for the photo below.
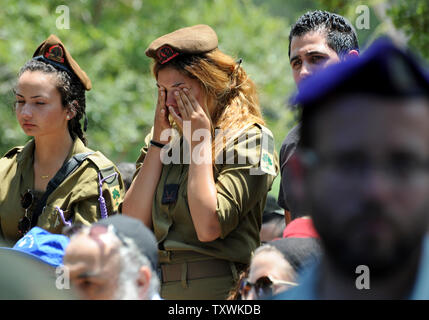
13 151
110 175
105 166
100 160
267 164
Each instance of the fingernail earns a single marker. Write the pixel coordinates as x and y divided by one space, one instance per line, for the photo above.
185 89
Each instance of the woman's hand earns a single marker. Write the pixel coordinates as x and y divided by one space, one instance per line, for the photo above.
191 111
147 179
161 121
202 194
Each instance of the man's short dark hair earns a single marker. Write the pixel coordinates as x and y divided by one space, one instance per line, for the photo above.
340 34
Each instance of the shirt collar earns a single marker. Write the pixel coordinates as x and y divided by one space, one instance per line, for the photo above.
27 152
78 147
25 160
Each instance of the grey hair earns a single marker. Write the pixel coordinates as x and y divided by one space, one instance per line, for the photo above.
131 262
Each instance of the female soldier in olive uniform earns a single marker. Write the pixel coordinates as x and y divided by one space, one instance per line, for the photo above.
50 101
206 215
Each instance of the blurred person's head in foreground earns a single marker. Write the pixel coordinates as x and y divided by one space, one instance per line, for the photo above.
29 268
275 266
365 152
319 39
115 258
299 252
42 246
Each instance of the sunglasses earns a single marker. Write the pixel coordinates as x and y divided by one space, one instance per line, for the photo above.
263 286
24 223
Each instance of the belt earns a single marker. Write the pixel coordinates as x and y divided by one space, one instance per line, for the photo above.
195 270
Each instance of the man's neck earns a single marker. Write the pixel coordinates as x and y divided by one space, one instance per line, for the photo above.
335 284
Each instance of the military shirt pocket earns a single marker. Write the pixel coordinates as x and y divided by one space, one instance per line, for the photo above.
54 218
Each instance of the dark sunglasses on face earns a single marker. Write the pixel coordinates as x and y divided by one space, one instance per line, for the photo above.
263 286
24 223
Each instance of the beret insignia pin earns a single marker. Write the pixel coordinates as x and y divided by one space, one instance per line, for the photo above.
55 53
166 53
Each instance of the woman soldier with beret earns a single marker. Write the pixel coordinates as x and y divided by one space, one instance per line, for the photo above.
205 202
54 180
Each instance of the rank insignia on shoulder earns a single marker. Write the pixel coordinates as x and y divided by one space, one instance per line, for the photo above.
116 196
110 177
266 160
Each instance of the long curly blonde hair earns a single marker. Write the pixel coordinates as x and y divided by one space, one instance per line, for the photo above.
228 88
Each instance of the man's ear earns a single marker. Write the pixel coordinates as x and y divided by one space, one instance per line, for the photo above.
143 282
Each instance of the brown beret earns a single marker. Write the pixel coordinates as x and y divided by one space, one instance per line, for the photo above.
191 40
53 51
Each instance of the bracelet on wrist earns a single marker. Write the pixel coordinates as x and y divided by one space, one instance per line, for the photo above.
157 144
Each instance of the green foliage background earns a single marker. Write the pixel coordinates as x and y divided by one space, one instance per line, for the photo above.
108 40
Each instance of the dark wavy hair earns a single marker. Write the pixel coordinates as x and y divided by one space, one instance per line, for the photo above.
72 94
340 34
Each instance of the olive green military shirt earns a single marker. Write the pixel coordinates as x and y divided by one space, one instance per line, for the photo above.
243 179
77 195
